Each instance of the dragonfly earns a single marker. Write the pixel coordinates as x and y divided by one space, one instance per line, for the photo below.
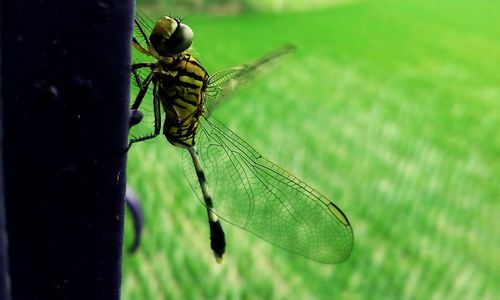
233 181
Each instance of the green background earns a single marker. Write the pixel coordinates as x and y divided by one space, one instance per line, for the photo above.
389 108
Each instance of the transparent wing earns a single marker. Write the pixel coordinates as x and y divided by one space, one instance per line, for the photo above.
224 82
141 28
253 193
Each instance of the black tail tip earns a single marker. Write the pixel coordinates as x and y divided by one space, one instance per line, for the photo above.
217 240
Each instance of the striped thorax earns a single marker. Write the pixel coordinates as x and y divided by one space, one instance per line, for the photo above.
180 88
180 81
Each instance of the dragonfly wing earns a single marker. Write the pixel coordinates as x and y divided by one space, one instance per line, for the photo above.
220 84
224 82
142 26
140 54
253 193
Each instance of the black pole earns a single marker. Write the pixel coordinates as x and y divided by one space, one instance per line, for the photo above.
4 277
4 273
65 88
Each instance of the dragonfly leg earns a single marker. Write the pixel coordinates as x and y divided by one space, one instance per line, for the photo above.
157 115
142 65
141 139
139 47
217 240
142 84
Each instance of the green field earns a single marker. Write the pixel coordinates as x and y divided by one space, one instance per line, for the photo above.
391 109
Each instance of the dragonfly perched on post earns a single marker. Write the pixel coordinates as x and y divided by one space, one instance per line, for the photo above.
232 180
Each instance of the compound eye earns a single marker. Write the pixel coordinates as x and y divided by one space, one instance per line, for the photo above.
170 36
181 39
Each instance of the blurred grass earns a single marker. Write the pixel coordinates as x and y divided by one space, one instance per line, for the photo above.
231 7
392 110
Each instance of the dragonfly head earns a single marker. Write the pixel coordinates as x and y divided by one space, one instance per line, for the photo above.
170 36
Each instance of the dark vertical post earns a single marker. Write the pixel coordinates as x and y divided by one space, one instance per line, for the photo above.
65 88
4 273
4 277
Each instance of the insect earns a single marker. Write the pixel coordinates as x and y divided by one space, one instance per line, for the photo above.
233 181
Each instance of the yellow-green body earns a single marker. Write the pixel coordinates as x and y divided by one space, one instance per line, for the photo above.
180 87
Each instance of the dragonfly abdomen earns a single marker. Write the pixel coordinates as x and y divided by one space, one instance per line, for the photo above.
181 88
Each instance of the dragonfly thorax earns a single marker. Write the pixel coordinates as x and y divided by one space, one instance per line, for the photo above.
180 89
